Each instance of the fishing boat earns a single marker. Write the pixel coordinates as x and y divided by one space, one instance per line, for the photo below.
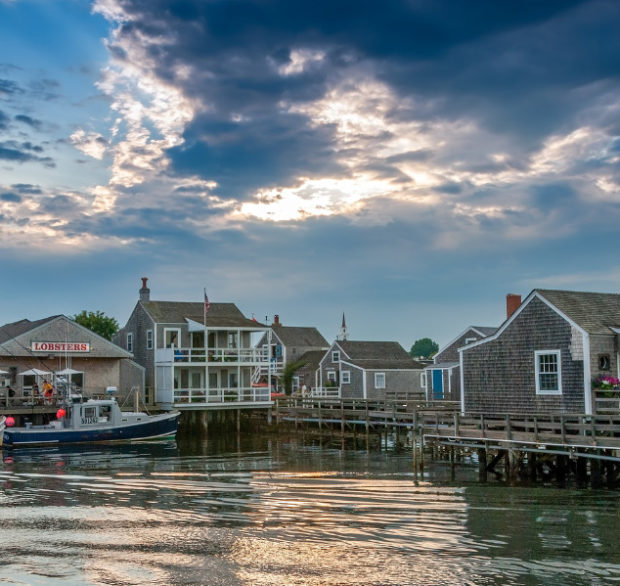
90 421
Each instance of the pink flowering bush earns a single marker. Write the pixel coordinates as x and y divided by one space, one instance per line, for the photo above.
604 381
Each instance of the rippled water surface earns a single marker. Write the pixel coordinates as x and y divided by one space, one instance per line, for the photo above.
276 511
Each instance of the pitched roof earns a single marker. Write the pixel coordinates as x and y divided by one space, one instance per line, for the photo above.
299 336
17 328
485 330
596 313
374 350
387 364
311 358
220 314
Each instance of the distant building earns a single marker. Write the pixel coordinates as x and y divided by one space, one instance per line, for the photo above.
545 356
443 378
288 344
191 366
370 370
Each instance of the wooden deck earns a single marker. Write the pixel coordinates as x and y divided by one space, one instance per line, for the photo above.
440 421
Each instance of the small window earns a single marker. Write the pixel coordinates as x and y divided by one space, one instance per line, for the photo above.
423 380
470 340
604 362
331 376
149 339
379 380
345 377
548 372
232 339
335 356
172 337
130 342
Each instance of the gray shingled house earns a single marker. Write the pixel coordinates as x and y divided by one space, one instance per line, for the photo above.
545 356
189 365
288 344
65 352
369 370
442 379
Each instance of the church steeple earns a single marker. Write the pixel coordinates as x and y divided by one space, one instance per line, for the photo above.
343 335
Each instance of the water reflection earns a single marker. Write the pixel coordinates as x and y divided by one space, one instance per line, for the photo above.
269 511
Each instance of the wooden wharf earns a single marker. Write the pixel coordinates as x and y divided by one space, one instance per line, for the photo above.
586 445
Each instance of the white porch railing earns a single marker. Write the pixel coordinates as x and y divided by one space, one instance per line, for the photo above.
221 395
325 392
212 355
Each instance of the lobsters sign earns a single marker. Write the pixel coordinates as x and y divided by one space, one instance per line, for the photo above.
60 346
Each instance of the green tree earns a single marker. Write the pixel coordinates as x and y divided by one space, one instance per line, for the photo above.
424 348
98 322
287 375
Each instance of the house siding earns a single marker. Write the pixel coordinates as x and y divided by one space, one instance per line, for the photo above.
499 375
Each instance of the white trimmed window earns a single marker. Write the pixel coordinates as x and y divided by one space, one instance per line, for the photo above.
172 337
423 380
345 377
379 380
470 340
548 372
331 376
335 356
149 339
130 342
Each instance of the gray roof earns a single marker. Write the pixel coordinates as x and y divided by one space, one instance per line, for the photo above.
485 330
596 313
312 358
299 336
220 314
17 337
374 350
17 328
387 364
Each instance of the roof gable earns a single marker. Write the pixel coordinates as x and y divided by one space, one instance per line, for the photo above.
58 328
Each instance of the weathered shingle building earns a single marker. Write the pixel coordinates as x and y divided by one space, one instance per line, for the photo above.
545 356
370 370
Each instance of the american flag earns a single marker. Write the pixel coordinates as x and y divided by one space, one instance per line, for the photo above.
207 304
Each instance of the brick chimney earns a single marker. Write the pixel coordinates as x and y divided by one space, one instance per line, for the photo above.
512 304
145 292
276 320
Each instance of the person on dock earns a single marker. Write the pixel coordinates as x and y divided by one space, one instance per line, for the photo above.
48 391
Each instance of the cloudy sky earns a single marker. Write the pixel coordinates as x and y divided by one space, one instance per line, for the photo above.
406 162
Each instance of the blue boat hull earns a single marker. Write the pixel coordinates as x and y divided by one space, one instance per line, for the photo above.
160 426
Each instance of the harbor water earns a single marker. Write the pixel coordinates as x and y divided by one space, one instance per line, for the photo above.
283 511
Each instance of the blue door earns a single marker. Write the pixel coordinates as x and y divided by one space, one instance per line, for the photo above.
437 384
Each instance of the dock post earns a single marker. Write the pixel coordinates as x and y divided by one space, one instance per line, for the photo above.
482 464
238 421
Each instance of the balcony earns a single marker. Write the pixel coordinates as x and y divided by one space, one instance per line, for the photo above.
212 356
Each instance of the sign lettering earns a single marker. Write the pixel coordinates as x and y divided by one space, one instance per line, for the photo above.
60 346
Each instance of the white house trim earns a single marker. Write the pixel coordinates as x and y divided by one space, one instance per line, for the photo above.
462 377
587 376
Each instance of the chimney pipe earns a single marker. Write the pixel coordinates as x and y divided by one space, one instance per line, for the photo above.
145 292
276 320
512 304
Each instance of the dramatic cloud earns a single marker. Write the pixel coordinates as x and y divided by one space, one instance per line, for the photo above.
365 154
